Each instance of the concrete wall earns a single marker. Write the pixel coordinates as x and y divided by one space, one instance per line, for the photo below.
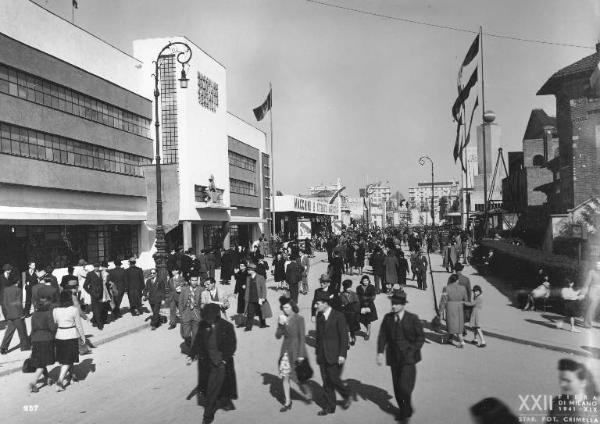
70 43
202 133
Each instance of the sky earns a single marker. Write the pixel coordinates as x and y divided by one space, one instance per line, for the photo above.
357 96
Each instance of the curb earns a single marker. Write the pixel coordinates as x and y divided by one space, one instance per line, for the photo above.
539 345
96 343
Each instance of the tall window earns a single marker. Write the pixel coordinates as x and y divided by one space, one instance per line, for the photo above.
241 161
43 92
168 101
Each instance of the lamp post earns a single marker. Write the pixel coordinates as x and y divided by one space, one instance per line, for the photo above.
183 57
422 163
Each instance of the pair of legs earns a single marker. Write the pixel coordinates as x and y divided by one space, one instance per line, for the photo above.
459 337
332 382
303 389
36 376
478 333
253 310
64 369
189 328
155 320
18 325
404 378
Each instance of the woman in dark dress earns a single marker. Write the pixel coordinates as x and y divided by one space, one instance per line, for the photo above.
351 309
279 270
366 297
43 329
240 290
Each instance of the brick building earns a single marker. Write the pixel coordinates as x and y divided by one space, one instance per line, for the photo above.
576 168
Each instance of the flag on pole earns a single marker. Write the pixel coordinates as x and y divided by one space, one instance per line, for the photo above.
471 54
75 5
262 110
470 123
464 95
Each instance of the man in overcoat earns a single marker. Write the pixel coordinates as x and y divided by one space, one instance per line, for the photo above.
255 295
401 337
94 285
189 307
331 350
214 347
117 277
293 276
154 291
134 280
176 282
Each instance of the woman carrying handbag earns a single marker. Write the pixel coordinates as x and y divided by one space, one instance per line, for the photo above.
366 296
293 350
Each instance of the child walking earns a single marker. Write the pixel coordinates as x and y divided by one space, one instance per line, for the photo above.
475 322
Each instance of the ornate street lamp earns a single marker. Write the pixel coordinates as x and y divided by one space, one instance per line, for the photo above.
183 53
422 163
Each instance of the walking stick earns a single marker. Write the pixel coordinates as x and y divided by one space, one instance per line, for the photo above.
436 324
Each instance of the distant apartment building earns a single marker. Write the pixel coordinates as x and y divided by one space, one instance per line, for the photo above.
419 197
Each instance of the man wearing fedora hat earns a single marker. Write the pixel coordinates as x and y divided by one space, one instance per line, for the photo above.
401 337
331 351
255 296
134 283
325 282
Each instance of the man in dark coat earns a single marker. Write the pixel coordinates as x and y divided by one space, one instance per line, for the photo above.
325 282
134 280
262 266
203 261
401 336
420 269
337 269
331 350
154 291
403 267
30 281
293 276
117 277
176 282
214 347
227 266
95 287
12 309
211 263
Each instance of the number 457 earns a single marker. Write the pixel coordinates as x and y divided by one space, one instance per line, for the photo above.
30 408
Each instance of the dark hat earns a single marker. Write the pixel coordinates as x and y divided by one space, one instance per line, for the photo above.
132 260
459 267
283 300
49 269
323 296
118 262
252 265
399 299
7 267
96 264
104 264
81 262
324 277
347 283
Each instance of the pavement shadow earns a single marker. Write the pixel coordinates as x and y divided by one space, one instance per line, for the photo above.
3 324
594 351
431 335
377 395
275 386
542 323
84 368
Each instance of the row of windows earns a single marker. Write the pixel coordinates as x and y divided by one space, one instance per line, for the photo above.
34 144
241 161
168 104
242 187
29 87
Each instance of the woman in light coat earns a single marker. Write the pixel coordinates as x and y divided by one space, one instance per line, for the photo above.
455 321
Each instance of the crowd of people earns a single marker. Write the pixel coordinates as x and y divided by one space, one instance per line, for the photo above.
338 311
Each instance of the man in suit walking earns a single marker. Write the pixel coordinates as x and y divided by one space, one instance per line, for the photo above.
189 307
332 346
154 291
134 281
12 308
401 336
94 285
256 294
117 277
176 282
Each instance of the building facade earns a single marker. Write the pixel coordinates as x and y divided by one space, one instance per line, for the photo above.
216 166
74 130
419 197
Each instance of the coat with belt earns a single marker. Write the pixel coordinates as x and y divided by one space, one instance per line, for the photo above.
332 338
154 290
134 279
405 350
190 311
12 303
226 345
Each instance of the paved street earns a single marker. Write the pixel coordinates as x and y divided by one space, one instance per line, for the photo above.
142 377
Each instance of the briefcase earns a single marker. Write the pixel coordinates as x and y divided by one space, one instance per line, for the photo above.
303 370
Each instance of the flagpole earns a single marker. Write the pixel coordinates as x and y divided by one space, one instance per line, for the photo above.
273 192
463 171
483 127
72 13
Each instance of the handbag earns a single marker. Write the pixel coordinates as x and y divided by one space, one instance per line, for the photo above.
265 309
27 368
304 372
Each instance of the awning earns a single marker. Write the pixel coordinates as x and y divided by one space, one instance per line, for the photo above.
51 214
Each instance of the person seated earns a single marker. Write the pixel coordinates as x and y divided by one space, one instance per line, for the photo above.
540 292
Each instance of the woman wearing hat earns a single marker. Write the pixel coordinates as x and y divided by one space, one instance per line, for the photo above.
293 348
366 296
